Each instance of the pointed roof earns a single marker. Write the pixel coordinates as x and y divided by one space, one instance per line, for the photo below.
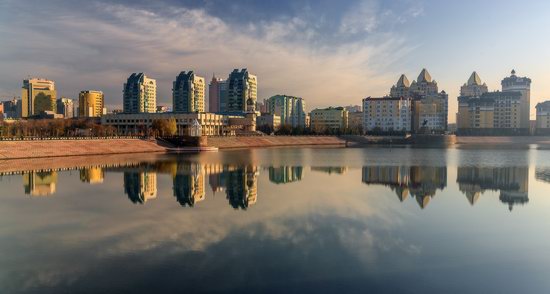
474 79
424 76
403 81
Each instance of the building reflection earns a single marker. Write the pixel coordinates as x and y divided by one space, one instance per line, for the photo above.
140 186
419 182
242 187
189 184
285 174
330 169
92 175
38 183
542 174
512 182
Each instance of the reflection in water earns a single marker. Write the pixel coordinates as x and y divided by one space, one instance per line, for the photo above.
40 183
421 183
319 233
242 187
330 169
240 182
543 174
512 182
92 175
140 186
285 174
189 184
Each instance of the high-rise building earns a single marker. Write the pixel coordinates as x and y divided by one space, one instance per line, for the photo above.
91 103
242 91
65 106
543 118
331 119
401 89
493 113
217 92
38 95
429 106
291 110
514 83
140 94
188 93
387 114
12 108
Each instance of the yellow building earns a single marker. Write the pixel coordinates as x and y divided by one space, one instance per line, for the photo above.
427 114
38 95
331 119
91 103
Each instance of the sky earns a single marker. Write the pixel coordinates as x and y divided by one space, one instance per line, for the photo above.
331 53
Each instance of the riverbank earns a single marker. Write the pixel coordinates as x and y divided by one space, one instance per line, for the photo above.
274 141
58 148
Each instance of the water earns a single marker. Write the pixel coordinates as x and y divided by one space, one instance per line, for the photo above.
279 220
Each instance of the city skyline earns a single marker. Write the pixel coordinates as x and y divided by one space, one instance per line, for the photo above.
294 49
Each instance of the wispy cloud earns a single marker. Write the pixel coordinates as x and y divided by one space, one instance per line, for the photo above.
98 48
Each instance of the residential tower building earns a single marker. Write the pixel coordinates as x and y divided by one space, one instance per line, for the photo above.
140 94
188 93
38 95
91 103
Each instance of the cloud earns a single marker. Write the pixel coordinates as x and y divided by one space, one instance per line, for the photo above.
100 47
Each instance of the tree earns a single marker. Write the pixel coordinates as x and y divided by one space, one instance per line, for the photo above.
165 127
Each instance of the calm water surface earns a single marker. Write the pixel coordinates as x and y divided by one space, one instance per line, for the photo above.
279 220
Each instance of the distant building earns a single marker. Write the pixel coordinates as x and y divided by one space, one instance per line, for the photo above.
140 94
353 108
471 90
355 120
211 124
333 119
273 121
387 114
217 92
188 93
543 118
91 103
12 108
429 106
38 95
514 83
402 88
65 106
242 91
291 110
163 109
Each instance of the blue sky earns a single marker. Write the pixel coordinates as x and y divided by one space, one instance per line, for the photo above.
329 52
